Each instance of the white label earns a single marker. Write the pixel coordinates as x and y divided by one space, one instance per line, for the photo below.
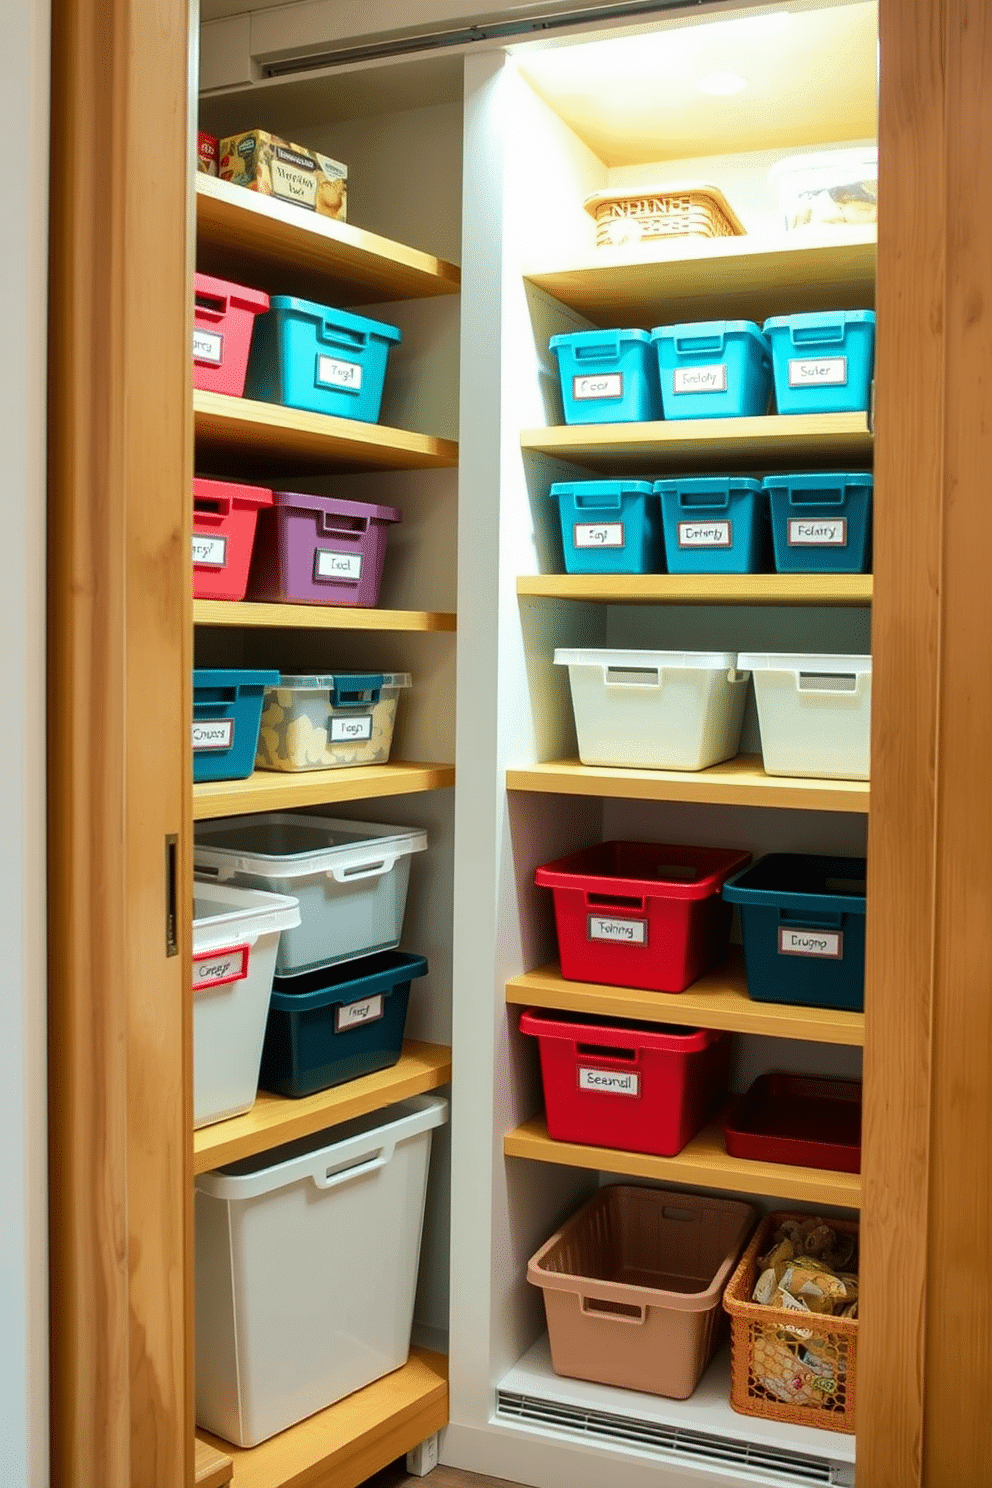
602 385
597 535
354 1014
348 730
293 184
620 932
209 552
712 379
705 534
610 1082
332 372
208 346
805 533
331 565
817 371
217 733
827 944
220 968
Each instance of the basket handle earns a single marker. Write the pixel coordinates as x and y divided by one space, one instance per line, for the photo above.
608 1311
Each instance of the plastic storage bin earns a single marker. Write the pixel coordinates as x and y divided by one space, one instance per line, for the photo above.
821 523
223 320
321 550
656 710
713 524
224 518
803 924
796 1119
644 1256
306 1270
350 878
823 361
641 914
620 1083
832 188
227 711
814 713
337 1024
609 527
607 377
235 935
329 722
328 361
713 369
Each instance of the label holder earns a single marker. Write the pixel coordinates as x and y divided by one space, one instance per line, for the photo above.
224 980
593 386
583 535
349 1015
833 948
722 529
327 566
224 739
794 539
810 371
599 926
688 379
621 1082
351 729
210 545
208 346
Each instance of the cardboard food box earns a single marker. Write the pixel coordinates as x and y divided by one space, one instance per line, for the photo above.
206 153
264 162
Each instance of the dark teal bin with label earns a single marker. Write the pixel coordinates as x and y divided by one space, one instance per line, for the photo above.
609 527
607 377
821 522
311 356
227 714
714 524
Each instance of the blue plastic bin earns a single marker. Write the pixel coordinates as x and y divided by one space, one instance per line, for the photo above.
337 1024
803 922
821 523
714 524
609 527
823 362
607 377
227 714
713 369
327 361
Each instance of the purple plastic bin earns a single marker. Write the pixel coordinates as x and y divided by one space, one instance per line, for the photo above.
320 550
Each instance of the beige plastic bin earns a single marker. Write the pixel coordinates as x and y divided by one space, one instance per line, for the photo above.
633 1285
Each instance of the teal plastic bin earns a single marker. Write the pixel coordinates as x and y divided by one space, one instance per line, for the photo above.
714 524
310 356
823 362
607 377
821 522
609 527
713 369
227 714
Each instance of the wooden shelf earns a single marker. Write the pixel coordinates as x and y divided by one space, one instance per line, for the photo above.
213 1468
702 589
270 790
349 1442
717 1000
282 249
737 782
274 1119
237 435
747 278
840 440
704 1163
317 617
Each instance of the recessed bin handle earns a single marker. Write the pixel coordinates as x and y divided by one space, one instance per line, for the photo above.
213 512
334 335
212 307
604 1051
632 676
366 870
713 500
615 901
830 332
806 921
607 350
329 1178
217 697
606 502
343 526
613 1312
827 681
692 345
822 496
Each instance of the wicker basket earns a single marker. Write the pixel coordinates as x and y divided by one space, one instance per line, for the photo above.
804 1375
634 214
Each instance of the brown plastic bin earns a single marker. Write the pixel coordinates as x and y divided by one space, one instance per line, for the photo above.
633 1283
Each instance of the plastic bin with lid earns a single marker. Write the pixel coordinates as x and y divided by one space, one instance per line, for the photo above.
656 710
224 318
805 1121
713 523
350 878
828 189
821 521
713 369
306 1269
633 1285
312 356
224 525
235 936
814 713
607 377
609 527
641 914
823 361
329 722
321 550
227 711
803 926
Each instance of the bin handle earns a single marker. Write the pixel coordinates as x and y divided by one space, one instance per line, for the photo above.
687 345
605 351
827 681
212 307
329 523
632 676
363 692
608 1053
615 901
806 921
331 1178
612 502
370 870
211 509
715 500
822 496
830 333
593 1307
333 335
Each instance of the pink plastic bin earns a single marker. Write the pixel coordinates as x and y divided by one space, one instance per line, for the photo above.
320 550
223 321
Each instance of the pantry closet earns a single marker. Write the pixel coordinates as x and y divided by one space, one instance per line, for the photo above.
480 155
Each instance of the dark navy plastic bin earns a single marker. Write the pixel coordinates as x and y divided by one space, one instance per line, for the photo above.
337 1024
824 361
327 361
607 377
713 369
821 523
714 524
803 921
609 527
227 714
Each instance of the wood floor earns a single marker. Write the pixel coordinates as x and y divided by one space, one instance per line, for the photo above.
396 1476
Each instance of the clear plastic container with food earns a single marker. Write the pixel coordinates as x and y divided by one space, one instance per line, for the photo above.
833 188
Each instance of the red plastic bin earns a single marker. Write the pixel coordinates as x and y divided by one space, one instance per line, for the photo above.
641 914
633 1086
223 320
807 1121
224 520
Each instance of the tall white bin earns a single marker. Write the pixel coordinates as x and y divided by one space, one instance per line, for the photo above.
306 1270
814 713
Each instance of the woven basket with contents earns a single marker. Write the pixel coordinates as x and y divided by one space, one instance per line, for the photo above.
634 214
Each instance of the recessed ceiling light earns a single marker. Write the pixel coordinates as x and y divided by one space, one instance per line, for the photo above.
722 84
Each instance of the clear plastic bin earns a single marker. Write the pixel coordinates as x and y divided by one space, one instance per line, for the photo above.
329 722
832 188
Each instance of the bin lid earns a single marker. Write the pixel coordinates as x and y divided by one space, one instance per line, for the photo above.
348 681
703 661
701 484
813 320
705 329
770 661
225 915
225 677
291 845
347 981
346 319
598 338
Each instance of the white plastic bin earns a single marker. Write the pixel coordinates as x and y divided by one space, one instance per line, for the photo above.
656 710
306 1270
235 936
814 713
350 878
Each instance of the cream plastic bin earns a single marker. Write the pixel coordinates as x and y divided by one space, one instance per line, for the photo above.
235 936
814 713
350 878
329 722
656 710
306 1270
